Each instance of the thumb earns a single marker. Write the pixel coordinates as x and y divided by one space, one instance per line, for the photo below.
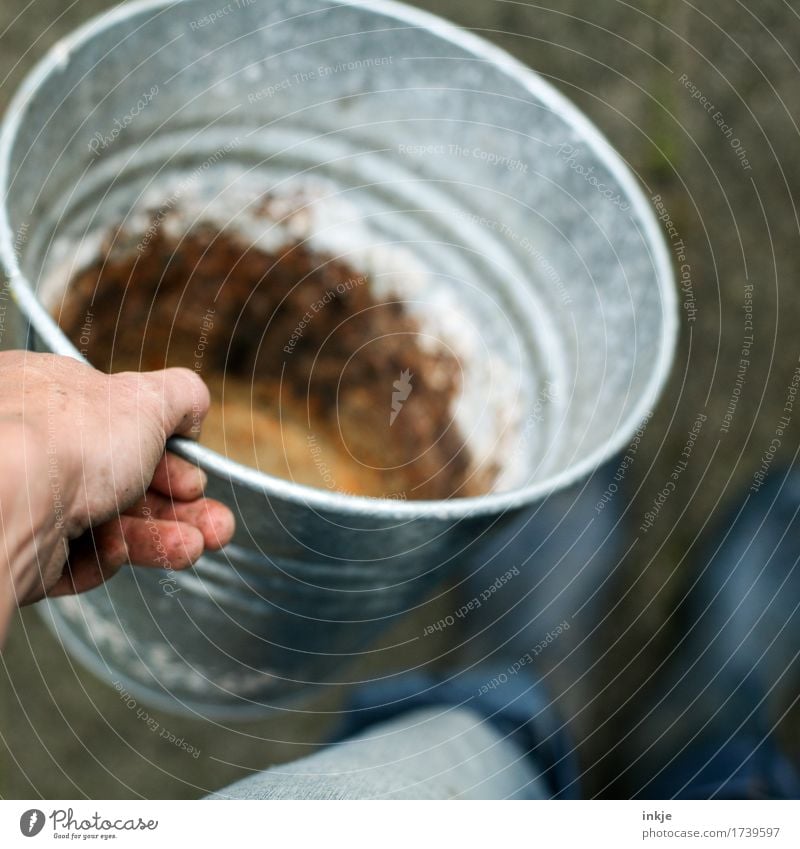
182 400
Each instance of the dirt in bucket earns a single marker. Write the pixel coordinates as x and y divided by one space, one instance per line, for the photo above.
313 378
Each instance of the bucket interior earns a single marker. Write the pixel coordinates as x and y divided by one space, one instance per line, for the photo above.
507 241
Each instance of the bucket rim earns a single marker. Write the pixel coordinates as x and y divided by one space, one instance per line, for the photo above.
326 502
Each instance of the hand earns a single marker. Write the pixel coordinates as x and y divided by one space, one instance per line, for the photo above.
86 486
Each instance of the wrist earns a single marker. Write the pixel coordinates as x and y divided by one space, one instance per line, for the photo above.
29 507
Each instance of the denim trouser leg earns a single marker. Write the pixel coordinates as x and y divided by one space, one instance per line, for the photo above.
427 753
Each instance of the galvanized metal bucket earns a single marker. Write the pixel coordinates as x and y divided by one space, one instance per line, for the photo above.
526 226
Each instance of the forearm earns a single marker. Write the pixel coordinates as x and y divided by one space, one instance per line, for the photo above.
29 525
7 593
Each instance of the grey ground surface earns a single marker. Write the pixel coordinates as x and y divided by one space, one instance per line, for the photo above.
66 734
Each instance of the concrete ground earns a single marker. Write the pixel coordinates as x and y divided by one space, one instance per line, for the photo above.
65 734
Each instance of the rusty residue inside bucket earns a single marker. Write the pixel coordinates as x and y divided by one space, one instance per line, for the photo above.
313 377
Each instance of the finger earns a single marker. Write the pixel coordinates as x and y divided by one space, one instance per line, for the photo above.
160 543
102 551
183 400
80 580
214 520
94 557
178 478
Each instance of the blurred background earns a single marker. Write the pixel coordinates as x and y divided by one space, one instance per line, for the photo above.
636 70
